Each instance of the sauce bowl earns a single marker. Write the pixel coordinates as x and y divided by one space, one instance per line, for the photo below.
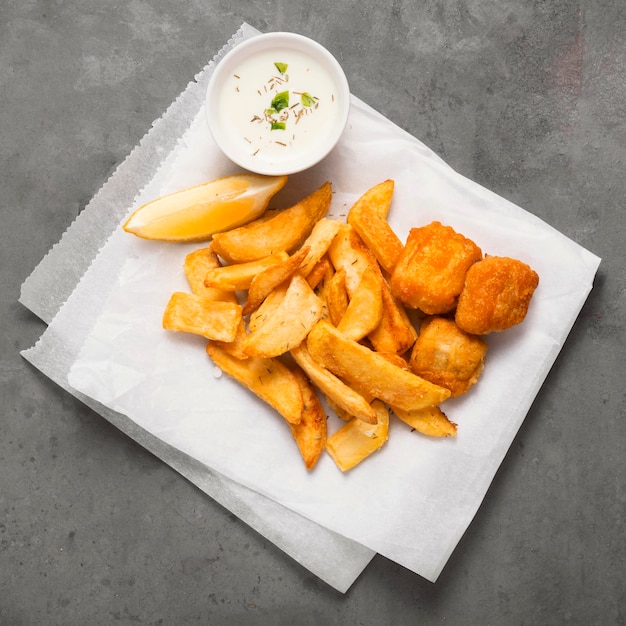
277 103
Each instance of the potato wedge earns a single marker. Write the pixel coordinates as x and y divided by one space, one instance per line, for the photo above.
318 243
266 280
395 333
365 370
430 420
297 313
336 297
367 217
348 252
365 309
239 276
213 319
310 433
376 200
287 230
357 440
322 272
379 237
196 265
268 308
235 347
269 379
332 387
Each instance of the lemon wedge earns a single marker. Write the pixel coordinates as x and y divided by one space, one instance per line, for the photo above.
195 213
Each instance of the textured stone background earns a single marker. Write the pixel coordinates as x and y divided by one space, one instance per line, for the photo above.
526 97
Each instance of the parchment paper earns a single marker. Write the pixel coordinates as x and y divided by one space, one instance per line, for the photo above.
413 500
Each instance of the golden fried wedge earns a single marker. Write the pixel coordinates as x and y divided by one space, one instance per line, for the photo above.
365 370
357 440
348 252
336 297
395 333
310 433
291 322
321 273
235 347
268 379
367 217
268 308
196 265
287 230
337 391
428 421
376 200
318 243
365 309
379 237
265 281
239 276
212 319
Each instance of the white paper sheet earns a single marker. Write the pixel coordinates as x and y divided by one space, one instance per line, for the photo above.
414 499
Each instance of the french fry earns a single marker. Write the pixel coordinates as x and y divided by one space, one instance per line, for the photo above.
310 433
318 243
348 252
268 308
269 379
396 359
367 217
213 319
337 391
365 309
365 370
322 272
430 420
286 230
238 277
266 280
336 297
395 333
294 317
196 265
379 237
235 347
357 440
376 200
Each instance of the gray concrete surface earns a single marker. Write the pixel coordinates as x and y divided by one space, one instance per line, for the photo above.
527 97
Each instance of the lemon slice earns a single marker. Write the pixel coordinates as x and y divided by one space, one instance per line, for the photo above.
195 213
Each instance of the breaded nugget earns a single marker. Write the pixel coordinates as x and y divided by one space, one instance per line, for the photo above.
496 295
431 270
447 356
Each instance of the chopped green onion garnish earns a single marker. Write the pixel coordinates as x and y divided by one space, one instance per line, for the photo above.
307 99
281 67
280 101
278 126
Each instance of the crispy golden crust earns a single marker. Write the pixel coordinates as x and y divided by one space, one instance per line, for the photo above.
496 295
431 270
447 356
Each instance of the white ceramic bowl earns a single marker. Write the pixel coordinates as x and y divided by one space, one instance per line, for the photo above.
271 119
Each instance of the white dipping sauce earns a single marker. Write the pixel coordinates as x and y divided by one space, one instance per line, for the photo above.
277 115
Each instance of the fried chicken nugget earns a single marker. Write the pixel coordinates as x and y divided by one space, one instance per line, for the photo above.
430 272
447 356
496 295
